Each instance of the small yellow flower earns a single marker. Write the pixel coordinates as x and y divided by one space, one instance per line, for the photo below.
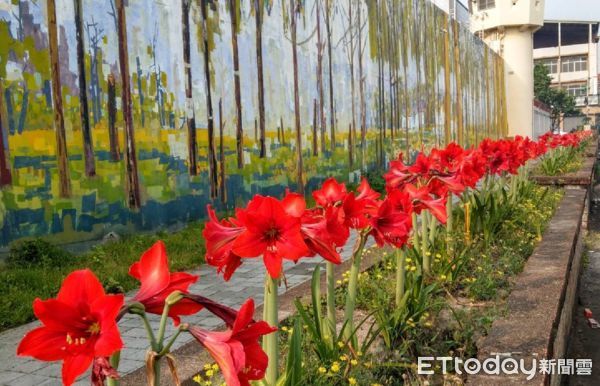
428 324
209 373
207 383
352 381
353 362
215 367
322 370
338 282
207 366
379 276
408 260
427 254
345 280
197 378
442 277
413 268
438 255
344 358
340 344
335 367
359 354
284 329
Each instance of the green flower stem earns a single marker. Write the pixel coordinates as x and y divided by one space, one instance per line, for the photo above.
400 274
432 230
172 340
415 231
271 340
424 239
265 308
353 285
149 331
162 326
330 278
449 244
114 362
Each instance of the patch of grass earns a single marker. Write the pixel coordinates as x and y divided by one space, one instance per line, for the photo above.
41 276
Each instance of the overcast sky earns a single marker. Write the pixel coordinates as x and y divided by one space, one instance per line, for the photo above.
575 10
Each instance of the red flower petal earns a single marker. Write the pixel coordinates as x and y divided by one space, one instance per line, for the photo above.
80 287
153 271
74 366
44 344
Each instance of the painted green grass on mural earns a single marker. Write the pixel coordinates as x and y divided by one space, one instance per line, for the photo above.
22 283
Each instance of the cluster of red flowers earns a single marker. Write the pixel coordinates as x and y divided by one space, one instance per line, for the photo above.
286 229
79 327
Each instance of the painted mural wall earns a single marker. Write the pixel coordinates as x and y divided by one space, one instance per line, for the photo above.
133 115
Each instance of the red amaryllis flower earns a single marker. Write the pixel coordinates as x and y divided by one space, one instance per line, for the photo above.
392 223
270 232
422 199
101 369
237 351
152 270
219 236
322 229
331 193
78 326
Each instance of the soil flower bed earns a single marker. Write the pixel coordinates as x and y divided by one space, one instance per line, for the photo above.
455 224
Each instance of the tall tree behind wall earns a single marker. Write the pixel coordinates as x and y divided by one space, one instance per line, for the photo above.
84 114
59 121
133 184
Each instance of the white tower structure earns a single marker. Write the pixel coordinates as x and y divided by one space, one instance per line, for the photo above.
508 26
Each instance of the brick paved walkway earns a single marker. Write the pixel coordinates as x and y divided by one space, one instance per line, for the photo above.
247 282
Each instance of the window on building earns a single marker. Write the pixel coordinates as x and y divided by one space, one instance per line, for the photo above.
550 63
573 63
482 5
576 89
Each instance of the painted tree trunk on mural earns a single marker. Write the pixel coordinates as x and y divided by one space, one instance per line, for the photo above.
140 90
458 79
315 138
299 165
320 88
5 173
113 135
350 34
239 132
258 15
328 7
86 132
221 155
133 183
212 159
447 100
189 98
361 91
282 131
59 121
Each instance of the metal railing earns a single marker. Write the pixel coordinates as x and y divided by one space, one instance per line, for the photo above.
586 100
